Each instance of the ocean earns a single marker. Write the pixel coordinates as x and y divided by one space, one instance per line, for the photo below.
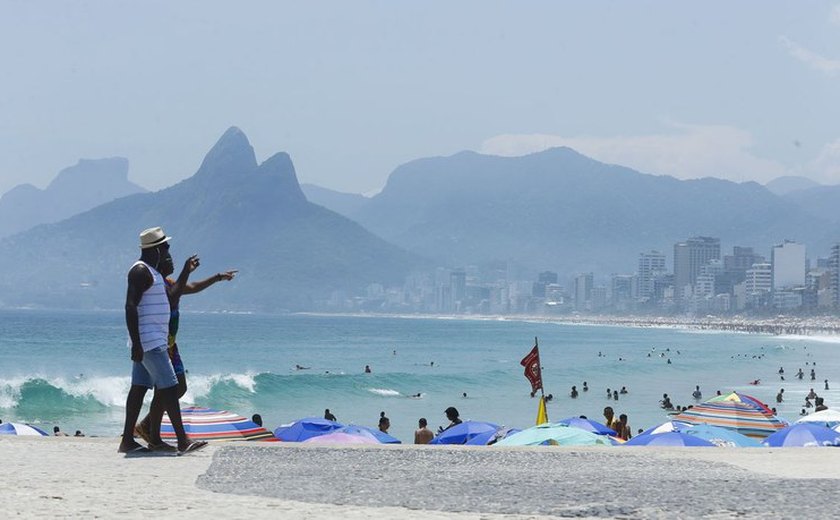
71 368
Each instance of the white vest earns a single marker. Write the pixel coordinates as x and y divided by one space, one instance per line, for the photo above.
153 312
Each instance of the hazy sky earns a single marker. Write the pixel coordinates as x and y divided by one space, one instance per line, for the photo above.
351 89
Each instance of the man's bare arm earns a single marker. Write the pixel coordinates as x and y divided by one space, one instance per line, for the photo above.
194 287
139 281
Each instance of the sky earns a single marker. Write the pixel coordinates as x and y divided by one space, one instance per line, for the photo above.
737 90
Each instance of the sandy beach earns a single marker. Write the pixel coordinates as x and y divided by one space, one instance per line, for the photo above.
85 477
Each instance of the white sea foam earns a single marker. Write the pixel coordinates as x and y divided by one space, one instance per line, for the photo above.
819 339
199 386
385 392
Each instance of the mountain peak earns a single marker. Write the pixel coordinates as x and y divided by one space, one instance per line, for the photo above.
232 153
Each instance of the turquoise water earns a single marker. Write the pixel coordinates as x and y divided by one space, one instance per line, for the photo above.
72 368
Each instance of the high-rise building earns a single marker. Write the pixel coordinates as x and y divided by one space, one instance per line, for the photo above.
689 257
651 265
834 269
583 290
758 284
788 261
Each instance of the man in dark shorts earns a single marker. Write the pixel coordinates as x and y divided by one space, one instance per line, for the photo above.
147 319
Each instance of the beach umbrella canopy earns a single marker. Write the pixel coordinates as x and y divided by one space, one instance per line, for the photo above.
666 427
803 435
338 437
306 428
554 434
483 439
742 416
21 429
208 424
462 433
669 439
720 437
829 417
380 437
738 397
588 425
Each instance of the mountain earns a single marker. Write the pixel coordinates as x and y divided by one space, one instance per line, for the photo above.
821 201
235 213
78 188
342 203
787 184
560 210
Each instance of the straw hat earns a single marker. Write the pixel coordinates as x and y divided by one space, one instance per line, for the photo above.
153 237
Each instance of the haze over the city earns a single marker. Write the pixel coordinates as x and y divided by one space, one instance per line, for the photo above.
741 91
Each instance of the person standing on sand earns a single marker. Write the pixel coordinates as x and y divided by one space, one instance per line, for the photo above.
147 319
174 290
423 435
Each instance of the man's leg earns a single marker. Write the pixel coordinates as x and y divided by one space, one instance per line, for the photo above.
151 423
133 404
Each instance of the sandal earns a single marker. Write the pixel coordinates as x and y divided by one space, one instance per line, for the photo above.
193 446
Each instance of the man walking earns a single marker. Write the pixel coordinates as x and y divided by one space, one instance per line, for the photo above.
147 319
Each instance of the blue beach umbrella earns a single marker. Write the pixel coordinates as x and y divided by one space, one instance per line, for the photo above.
721 437
668 439
483 439
588 425
306 428
803 435
382 437
462 433
21 429
554 434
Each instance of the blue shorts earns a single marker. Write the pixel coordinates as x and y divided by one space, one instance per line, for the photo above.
155 371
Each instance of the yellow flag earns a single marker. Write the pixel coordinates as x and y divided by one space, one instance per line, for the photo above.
542 415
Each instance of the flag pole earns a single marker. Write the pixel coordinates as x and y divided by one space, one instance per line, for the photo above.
542 386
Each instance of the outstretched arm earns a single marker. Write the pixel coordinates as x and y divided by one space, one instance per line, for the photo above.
194 287
179 287
139 281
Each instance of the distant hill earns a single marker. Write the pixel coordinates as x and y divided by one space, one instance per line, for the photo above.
342 203
787 184
78 188
821 201
563 211
292 254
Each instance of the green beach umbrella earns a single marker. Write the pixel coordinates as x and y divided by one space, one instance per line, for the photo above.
554 434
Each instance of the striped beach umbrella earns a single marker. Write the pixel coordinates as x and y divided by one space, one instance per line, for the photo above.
738 397
207 424
744 417
21 429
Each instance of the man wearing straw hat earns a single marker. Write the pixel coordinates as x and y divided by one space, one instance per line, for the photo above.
147 318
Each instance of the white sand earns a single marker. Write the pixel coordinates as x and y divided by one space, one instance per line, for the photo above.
85 477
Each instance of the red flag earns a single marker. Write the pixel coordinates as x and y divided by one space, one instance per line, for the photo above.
531 362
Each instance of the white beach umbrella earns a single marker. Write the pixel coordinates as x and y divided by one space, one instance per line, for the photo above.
828 417
20 429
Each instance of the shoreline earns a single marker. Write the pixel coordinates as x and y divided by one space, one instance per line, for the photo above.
413 482
777 326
